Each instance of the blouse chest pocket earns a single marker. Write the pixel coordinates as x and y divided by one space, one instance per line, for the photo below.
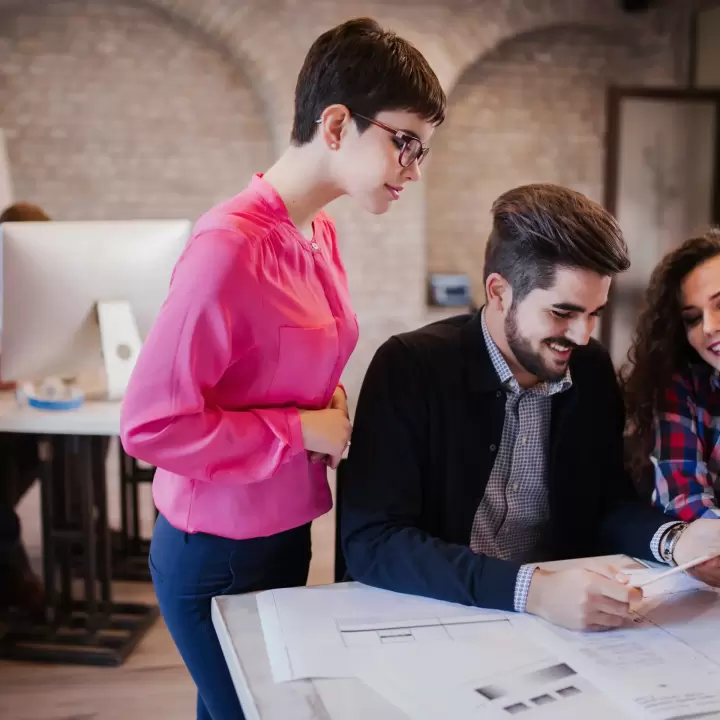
305 368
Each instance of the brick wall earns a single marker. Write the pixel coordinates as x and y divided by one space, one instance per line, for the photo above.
111 111
141 108
532 110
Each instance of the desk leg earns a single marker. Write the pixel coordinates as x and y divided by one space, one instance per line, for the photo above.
81 449
47 502
91 633
97 452
130 561
63 495
125 472
135 515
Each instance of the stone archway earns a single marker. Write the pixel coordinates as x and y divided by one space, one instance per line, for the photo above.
113 110
532 110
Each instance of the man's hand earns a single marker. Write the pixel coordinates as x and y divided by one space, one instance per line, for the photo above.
582 599
700 538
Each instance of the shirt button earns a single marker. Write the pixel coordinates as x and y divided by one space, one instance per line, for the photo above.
515 487
493 448
314 246
498 394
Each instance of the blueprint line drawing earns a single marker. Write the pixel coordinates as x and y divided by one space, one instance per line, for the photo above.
321 632
433 629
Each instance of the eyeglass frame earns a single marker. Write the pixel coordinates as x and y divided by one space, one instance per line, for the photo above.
401 135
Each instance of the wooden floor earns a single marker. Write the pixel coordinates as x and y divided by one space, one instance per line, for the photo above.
153 684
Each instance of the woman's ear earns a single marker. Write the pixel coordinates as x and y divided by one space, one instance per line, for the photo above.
333 124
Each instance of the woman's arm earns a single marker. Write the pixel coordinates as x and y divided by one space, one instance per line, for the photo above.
683 486
165 418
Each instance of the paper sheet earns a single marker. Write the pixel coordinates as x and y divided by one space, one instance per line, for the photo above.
664 664
433 659
316 632
505 679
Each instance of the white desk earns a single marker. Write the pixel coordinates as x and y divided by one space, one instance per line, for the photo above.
93 418
237 624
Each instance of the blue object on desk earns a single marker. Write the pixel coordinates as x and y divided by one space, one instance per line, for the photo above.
70 404
51 395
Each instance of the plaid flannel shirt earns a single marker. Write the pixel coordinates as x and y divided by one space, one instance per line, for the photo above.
686 456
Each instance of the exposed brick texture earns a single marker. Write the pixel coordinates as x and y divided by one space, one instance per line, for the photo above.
533 110
112 112
139 108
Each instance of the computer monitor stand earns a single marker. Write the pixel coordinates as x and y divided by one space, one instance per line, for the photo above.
120 342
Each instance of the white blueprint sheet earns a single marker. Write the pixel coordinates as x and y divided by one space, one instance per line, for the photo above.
433 659
505 676
665 664
317 632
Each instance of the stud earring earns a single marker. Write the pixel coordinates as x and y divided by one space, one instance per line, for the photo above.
334 146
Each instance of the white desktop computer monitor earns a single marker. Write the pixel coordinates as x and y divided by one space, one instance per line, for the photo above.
55 278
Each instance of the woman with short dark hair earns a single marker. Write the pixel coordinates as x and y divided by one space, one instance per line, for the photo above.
235 396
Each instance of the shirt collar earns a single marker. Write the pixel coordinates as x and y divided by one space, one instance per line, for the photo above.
268 194
508 379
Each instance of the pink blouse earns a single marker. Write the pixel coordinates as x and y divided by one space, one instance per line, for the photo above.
257 324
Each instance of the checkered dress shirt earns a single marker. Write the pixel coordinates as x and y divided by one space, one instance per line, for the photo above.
511 519
686 456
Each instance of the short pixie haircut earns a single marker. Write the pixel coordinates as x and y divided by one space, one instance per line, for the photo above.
369 70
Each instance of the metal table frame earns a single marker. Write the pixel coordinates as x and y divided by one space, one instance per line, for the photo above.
92 630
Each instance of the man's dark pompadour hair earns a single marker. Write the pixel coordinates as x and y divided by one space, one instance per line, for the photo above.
539 228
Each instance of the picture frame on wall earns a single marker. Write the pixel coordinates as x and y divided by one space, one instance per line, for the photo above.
662 183
6 187
449 290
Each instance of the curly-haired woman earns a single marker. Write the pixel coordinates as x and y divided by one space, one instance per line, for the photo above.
673 386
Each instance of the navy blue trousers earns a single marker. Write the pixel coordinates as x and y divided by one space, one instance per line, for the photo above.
188 570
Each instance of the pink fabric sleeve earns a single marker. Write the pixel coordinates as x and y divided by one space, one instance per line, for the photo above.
165 419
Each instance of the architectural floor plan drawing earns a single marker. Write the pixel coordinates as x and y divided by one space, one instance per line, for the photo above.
322 631
665 663
434 659
517 679
544 690
430 629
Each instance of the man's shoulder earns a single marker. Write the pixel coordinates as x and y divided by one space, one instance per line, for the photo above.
440 335
435 347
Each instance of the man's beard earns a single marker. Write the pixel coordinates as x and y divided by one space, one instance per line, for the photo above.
528 358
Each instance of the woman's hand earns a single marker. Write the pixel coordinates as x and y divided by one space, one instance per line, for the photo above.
701 538
339 401
326 434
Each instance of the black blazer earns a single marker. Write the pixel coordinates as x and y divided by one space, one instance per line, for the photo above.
427 428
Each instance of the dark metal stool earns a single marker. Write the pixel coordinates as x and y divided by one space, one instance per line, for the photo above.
131 550
92 630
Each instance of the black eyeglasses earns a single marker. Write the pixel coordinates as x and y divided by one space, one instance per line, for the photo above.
410 147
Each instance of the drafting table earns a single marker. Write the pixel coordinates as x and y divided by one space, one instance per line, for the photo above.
237 624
